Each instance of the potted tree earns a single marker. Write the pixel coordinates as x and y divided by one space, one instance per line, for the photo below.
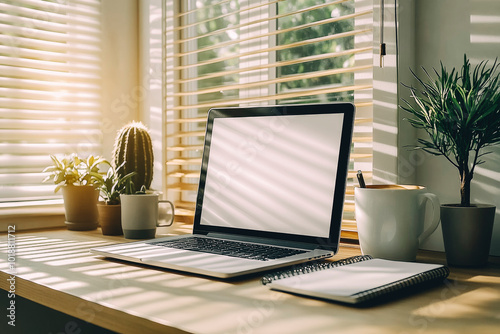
78 179
460 112
112 185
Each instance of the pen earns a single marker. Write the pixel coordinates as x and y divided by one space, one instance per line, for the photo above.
361 180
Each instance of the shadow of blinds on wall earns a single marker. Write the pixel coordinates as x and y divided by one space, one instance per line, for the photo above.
254 53
50 85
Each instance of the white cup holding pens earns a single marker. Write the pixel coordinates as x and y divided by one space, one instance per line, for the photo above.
390 219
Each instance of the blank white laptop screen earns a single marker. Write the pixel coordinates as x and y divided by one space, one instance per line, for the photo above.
273 174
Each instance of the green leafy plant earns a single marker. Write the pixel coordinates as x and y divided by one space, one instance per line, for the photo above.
130 188
460 112
113 184
75 171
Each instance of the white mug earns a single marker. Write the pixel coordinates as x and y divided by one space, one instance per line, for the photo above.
142 213
390 220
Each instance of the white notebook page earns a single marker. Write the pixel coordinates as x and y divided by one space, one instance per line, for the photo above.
350 279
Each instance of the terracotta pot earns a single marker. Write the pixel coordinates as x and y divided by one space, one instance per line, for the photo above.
110 219
467 234
80 206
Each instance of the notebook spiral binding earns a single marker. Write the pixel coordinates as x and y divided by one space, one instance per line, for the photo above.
308 267
429 276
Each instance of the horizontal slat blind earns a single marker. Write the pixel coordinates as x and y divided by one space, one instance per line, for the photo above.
50 83
240 53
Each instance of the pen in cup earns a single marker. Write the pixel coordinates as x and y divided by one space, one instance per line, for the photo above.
361 180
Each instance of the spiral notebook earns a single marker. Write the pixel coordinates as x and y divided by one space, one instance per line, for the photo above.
356 280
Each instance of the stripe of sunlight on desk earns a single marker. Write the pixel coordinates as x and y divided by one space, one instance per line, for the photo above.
67 266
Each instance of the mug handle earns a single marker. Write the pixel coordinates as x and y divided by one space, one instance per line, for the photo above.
436 218
173 214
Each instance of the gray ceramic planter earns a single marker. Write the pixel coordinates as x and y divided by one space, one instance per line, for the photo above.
467 233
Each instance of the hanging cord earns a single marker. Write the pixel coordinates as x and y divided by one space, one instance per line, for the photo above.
396 26
382 44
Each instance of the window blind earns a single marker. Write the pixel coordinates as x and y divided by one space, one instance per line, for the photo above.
50 85
263 52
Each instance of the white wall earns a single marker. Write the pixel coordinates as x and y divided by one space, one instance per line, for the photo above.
445 30
149 90
385 98
119 67
392 161
132 72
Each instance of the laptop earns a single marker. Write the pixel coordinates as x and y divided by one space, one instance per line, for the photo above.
271 193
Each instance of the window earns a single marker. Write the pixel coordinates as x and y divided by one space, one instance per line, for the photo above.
262 52
50 74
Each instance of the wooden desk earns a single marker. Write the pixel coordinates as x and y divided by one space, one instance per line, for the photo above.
55 269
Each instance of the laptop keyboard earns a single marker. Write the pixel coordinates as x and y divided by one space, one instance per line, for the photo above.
230 248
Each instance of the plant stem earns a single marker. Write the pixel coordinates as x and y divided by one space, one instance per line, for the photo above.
465 180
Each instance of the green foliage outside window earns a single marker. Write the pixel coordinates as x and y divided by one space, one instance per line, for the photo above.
331 46
213 18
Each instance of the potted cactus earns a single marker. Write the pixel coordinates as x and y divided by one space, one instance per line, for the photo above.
460 112
133 150
112 185
79 180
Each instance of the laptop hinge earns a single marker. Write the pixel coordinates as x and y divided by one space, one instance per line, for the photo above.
265 241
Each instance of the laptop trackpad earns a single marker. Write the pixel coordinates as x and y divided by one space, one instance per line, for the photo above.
177 258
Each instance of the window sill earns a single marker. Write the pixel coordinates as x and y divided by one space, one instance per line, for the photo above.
31 215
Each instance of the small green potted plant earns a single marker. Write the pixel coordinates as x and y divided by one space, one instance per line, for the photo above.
79 179
112 185
460 112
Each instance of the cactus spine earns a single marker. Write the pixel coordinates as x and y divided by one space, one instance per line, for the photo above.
134 149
